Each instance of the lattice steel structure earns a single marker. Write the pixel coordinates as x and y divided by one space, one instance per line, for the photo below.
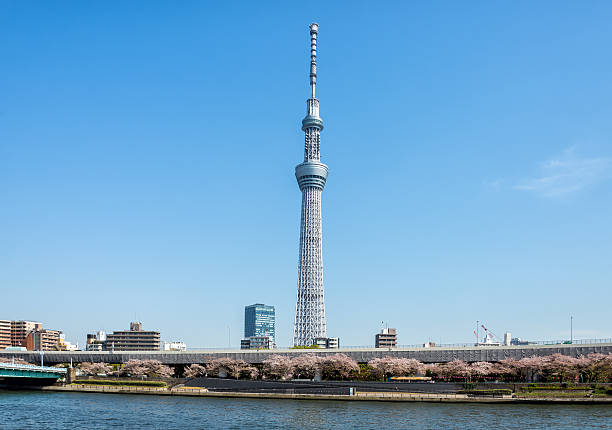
311 176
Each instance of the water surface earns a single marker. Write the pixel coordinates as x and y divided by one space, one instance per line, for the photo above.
53 410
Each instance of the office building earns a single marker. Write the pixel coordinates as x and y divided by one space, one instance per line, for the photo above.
259 320
311 176
387 338
134 339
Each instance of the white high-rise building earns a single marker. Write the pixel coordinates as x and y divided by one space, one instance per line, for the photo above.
507 338
311 176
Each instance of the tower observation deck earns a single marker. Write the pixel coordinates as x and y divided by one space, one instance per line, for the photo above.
311 176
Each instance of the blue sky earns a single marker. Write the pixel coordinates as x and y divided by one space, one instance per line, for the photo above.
147 153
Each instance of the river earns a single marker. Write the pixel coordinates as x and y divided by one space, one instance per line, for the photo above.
52 410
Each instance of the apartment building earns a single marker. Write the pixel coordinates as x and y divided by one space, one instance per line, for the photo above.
5 334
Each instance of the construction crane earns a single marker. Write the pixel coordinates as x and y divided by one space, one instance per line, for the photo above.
489 338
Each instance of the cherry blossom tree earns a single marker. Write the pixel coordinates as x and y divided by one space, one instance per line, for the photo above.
277 367
338 366
508 369
596 367
249 372
481 369
305 366
391 366
225 366
456 369
562 367
195 370
151 368
95 368
231 368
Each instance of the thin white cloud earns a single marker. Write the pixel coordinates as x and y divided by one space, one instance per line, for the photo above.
494 185
566 174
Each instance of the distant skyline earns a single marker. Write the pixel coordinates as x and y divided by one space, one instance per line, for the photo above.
131 187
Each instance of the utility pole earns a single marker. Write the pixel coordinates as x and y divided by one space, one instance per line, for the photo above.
571 329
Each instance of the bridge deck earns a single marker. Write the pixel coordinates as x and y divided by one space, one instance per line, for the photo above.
8 370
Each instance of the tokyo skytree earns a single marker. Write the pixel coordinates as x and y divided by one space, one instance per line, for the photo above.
311 176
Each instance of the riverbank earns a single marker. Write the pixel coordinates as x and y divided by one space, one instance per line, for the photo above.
356 396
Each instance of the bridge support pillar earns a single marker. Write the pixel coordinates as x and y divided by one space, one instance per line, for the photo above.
70 375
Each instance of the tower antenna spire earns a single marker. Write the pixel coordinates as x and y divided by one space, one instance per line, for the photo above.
311 176
314 30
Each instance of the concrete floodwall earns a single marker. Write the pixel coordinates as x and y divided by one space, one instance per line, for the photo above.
425 355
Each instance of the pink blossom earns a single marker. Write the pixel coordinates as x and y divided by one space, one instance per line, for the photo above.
95 368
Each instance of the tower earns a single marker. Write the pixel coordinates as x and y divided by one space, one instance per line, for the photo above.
311 176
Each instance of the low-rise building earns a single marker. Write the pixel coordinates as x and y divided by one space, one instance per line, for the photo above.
134 339
257 342
387 338
333 342
96 346
327 342
174 346
65 345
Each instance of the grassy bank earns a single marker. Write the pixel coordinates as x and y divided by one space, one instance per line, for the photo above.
563 391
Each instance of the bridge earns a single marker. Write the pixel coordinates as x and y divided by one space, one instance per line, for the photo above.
361 355
24 374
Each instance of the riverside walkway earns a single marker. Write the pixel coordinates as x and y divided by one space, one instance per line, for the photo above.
362 355
357 396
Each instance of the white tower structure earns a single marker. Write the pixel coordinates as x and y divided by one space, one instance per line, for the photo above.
311 176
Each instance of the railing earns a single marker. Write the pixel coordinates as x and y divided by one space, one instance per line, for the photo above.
222 350
33 367
418 346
